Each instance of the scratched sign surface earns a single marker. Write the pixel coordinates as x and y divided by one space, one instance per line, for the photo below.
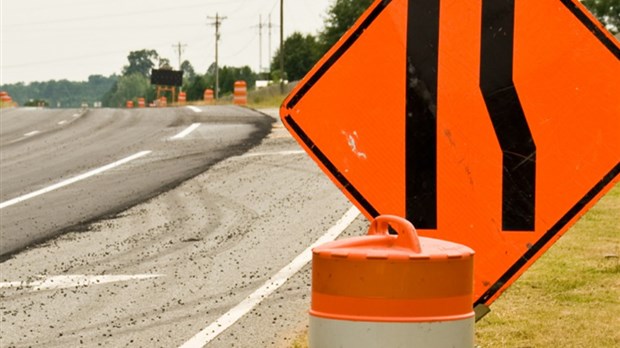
495 123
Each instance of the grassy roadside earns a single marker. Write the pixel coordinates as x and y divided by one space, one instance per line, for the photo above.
569 298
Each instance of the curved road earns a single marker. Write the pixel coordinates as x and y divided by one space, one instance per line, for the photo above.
63 168
219 260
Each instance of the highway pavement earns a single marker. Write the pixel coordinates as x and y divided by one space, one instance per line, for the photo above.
203 241
126 155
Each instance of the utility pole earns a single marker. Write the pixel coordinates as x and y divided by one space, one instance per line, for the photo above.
260 44
179 47
269 26
217 22
282 46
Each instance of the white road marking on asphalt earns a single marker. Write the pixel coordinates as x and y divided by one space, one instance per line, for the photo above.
76 115
282 153
186 131
62 122
29 134
193 108
229 318
73 180
69 281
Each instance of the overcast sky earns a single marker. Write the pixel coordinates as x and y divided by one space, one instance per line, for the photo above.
72 39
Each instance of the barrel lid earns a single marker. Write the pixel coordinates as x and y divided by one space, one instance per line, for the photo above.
380 245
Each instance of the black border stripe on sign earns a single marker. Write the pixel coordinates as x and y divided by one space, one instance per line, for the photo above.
507 116
421 113
339 52
552 232
595 29
332 168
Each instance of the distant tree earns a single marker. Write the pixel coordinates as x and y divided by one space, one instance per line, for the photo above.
188 70
164 63
607 11
301 53
340 17
129 87
195 88
140 62
227 77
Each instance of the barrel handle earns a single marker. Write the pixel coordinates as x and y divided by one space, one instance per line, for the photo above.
407 236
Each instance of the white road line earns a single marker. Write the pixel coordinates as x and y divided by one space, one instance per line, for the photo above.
229 318
29 134
70 281
73 180
62 122
193 108
186 131
76 115
279 153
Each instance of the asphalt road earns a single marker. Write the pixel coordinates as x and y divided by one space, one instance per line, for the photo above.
41 148
173 270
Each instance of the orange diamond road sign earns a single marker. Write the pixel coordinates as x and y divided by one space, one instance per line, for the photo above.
491 123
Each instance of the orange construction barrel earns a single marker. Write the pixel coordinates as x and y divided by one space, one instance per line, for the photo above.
208 96
384 290
129 104
240 93
182 98
163 102
141 103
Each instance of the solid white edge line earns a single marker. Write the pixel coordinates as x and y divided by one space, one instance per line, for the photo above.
193 108
186 131
73 180
256 154
62 122
229 318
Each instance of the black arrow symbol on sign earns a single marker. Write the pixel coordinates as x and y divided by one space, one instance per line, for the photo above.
507 116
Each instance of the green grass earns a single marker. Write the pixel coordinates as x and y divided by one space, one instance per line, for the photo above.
569 298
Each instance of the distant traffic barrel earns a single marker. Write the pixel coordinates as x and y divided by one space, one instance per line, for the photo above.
5 98
384 290
163 102
182 98
240 93
141 103
129 104
208 96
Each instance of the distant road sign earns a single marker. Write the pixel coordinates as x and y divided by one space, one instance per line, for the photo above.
164 77
490 123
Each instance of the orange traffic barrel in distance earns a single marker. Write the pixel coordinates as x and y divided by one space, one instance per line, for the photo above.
240 93
129 104
163 102
141 103
182 97
208 96
384 290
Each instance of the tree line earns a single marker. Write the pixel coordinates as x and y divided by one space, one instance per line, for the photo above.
301 52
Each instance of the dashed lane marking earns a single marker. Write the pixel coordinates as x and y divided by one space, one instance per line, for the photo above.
70 281
193 108
186 131
29 134
73 180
